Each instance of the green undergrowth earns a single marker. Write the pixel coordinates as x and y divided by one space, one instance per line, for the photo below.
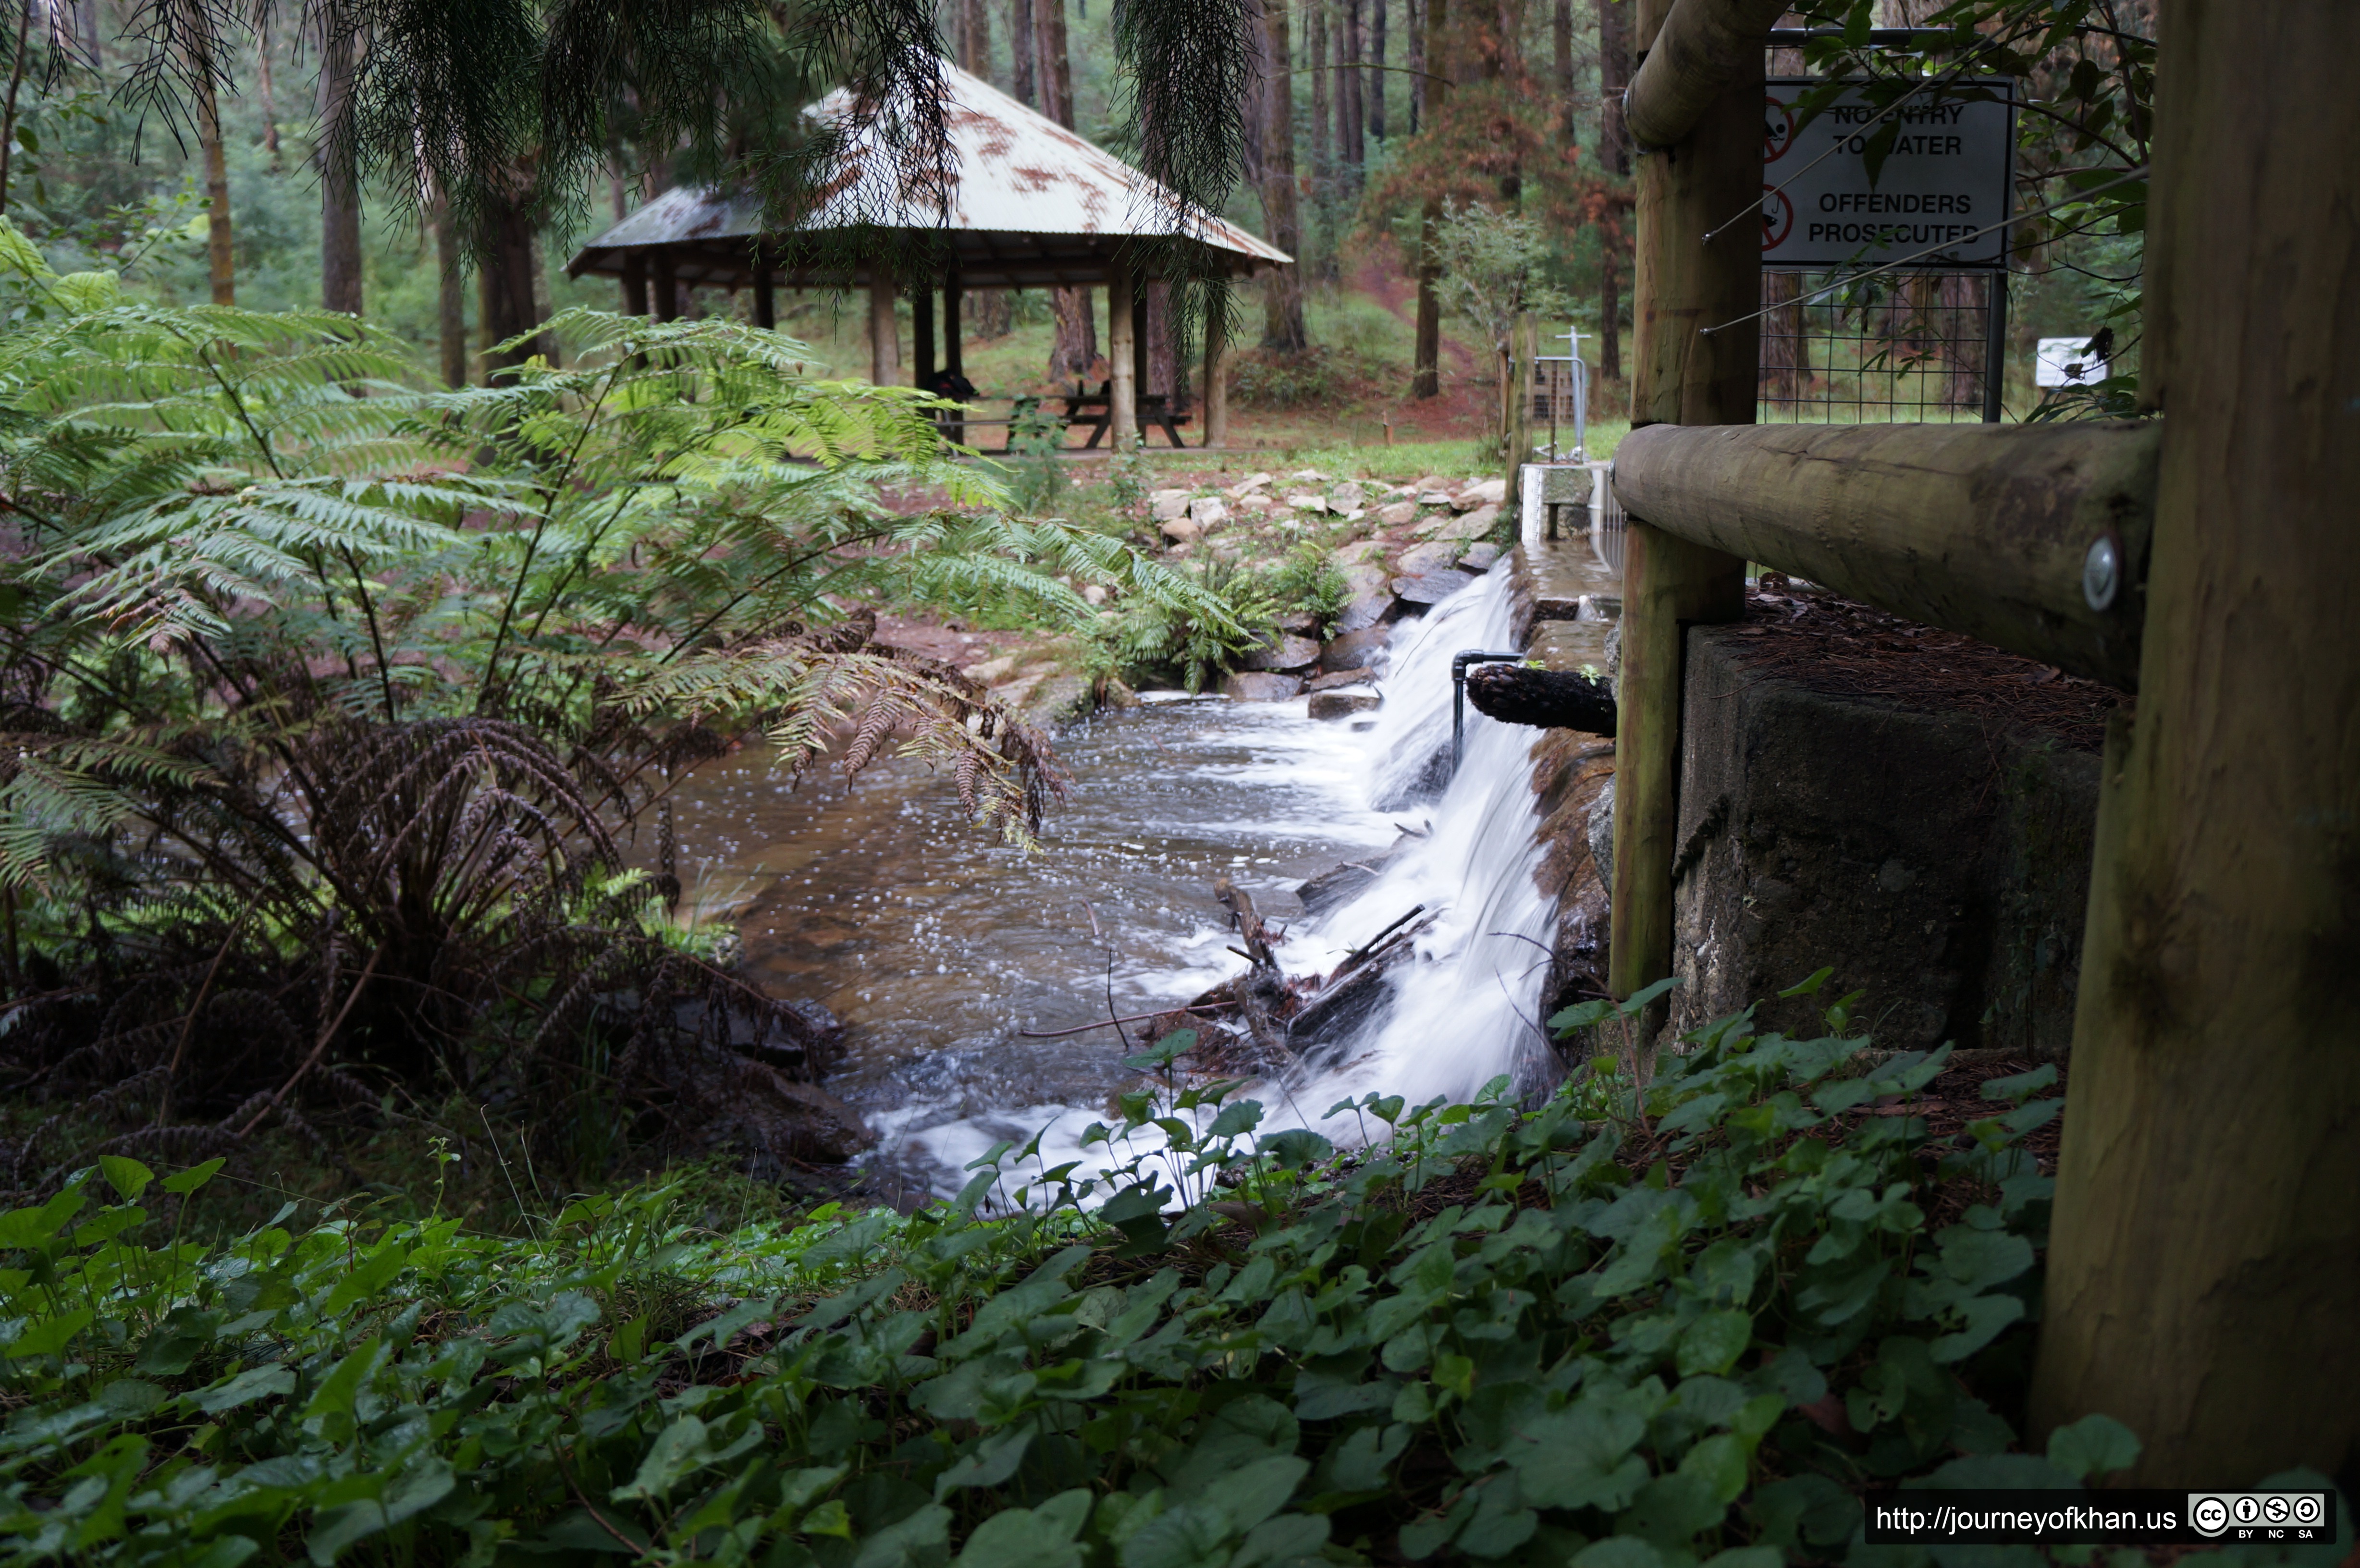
1630 1328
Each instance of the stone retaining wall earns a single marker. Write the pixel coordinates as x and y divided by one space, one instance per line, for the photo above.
1938 860
1927 843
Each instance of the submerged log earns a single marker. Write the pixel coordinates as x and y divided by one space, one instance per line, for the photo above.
1545 699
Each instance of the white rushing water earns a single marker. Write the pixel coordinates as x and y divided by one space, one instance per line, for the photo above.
1463 1010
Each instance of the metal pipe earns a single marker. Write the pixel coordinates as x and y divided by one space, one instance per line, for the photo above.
1458 663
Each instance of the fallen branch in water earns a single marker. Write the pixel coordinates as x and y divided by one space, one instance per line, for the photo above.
1359 955
1263 990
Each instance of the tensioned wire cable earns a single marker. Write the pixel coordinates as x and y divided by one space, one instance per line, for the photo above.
1850 279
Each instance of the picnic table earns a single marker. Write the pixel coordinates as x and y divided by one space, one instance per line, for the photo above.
1096 410
1084 410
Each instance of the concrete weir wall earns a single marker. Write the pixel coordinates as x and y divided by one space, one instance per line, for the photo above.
1910 807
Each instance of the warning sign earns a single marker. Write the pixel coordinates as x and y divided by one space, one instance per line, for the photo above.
1944 165
2069 362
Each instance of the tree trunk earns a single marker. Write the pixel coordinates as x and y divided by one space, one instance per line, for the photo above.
1074 348
884 330
1216 382
922 367
2205 1255
1324 139
1354 121
221 256
1414 19
1610 312
1614 76
1426 372
1785 353
989 312
1163 377
663 287
506 304
1506 34
1964 338
16 63
1024 51
975 39
340 186
1254 104
1561 57
1281 208
1377 72
451 300
268 98
1056 64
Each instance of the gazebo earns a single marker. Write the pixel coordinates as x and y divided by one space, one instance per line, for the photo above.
1032 205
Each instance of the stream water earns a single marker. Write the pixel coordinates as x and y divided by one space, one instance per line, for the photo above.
938 948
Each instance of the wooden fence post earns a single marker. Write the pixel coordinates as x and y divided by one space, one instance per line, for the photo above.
1682 374
1524 345
1667 585
2204 1262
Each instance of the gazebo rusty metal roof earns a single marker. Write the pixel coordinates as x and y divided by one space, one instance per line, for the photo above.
1032 205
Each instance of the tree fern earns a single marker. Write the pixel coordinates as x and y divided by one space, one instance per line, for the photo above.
357 695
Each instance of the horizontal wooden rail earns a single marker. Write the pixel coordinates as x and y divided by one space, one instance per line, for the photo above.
2002 532
1703 46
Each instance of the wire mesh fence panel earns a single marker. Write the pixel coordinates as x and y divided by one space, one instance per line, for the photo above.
1897 347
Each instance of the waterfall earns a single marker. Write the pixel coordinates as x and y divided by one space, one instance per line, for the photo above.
1459 1008
1464 1009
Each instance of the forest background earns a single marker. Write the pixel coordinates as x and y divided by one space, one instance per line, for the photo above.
1371 126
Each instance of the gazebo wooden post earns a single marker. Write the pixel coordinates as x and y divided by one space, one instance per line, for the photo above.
921 335
1217 373
665 285
766 297
1122 374
1139 311
884 334
953 332
635 284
